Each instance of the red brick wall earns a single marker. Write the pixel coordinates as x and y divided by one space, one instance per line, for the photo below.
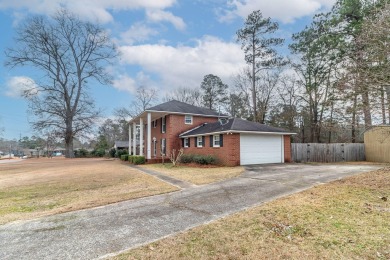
228 155
174 126
287 148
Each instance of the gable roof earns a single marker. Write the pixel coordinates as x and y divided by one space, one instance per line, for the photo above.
183 108
121 144
234 125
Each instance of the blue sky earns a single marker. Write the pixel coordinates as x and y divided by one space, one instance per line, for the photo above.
164 44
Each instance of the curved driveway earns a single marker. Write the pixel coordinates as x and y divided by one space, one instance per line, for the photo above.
105 231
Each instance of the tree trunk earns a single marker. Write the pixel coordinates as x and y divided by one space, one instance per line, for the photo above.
69 140
387 88
254 97
366 107
383 105
353 124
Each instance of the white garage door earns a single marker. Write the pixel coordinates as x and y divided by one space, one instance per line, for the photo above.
258 149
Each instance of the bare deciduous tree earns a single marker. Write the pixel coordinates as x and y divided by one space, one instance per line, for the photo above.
70 53
187 95
145 97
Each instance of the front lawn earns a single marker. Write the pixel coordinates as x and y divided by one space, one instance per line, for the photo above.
196 175
38 187
345 219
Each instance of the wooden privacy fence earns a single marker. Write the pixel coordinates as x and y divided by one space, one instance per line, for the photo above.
338 152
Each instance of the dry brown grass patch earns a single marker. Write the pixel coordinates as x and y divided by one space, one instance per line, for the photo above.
346 219
38 187
196 175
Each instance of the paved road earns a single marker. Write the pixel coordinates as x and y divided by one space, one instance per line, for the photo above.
105 231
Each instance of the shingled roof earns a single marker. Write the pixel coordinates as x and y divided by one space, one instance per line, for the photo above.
233 125
183 108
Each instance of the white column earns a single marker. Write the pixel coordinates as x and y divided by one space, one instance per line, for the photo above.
129 138
141 136
149 137
134 138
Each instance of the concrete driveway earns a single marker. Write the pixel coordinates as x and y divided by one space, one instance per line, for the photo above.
105 231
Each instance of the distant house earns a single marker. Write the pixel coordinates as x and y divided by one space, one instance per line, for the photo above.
175 125
121 145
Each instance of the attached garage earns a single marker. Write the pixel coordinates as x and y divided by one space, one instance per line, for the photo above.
236 141
260 149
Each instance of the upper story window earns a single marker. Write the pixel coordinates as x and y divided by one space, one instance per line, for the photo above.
199 141
163 124
216 141
188 120
154 124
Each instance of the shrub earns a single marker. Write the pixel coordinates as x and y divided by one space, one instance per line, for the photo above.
199 159
187 158
81 153
100 152
130 158
137 159
204 159
120 152
124 157
112 152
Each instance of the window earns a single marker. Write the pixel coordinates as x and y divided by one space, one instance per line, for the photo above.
163 124
154 124
188 120
186 142
155 148
216 142
199 141
163 146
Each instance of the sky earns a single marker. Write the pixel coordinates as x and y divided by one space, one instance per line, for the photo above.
164 44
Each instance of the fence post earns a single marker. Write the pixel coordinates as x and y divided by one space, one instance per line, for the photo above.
342 152
308 153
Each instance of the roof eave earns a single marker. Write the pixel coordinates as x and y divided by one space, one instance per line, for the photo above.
238 132
143 114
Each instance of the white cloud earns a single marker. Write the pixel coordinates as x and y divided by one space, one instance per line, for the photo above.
285 11
16 86
186 65
137 33
125 83
164 16
89 9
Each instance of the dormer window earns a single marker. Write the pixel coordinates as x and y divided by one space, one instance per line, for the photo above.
188 120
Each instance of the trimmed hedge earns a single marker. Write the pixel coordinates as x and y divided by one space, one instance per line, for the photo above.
137 159
124 157
199 159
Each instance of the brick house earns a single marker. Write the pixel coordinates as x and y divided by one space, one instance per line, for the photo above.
234 141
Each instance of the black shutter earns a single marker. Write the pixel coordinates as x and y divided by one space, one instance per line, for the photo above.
221 140
196 141
211 141
182 142
189 142
203 141
161 125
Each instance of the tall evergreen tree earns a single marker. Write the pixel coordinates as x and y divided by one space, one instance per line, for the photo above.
259 48
214 92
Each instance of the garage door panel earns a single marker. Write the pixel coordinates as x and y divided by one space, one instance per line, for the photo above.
259 149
